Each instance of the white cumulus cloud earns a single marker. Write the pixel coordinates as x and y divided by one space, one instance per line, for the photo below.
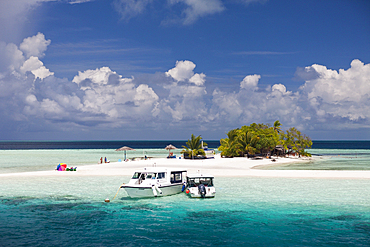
32 98
35 45
185 99
250 82
343 93
34 65
252 105
198 79
183 71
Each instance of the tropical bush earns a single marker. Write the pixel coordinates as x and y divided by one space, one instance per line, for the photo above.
261 139
296 141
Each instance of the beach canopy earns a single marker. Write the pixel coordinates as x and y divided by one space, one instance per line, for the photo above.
125 148
169 147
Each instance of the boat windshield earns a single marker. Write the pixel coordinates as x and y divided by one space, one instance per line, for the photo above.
151 175
194 182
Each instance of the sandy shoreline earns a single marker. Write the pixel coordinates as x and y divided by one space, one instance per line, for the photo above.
219 167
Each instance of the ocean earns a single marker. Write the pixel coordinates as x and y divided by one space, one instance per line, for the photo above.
250 211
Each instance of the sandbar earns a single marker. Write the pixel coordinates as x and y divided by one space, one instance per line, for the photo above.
218 167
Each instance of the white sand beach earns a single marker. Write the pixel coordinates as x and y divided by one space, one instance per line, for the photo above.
219 167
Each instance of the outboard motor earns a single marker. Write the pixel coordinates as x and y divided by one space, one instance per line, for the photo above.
202 190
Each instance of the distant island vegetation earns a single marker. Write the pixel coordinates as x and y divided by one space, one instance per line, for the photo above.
255 140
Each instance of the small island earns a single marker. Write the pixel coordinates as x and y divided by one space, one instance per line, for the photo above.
253 141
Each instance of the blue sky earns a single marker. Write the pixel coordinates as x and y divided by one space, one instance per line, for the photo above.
150 69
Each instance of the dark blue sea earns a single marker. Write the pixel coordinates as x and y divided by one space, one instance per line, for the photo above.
17 145
247 211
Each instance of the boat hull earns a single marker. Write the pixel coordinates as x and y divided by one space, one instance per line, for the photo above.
145 191
199 196
194 192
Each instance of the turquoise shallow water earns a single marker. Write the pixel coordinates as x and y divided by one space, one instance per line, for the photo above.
332 159
70 211
246 211
40 160
47 159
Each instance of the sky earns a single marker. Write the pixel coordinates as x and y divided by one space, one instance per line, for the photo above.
166 69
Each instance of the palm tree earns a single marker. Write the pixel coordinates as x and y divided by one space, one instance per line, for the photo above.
246 142
193 146
227 147
262 138
277 126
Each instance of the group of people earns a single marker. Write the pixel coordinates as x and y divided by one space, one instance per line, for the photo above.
105 160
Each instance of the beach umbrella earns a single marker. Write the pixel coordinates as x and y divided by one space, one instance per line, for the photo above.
61 167
124 149
169 147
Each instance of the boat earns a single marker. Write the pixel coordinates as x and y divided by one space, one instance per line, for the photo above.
155 181
200 185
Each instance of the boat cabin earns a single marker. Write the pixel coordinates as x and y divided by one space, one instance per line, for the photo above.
158 175
196 180
155 181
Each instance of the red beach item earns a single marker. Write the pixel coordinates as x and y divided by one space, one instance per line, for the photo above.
62 167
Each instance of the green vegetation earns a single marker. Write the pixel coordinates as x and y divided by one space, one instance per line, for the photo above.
297 141
193 147
255 139
262 139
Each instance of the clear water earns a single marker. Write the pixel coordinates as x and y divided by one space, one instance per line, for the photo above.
70 211
332 159
246 211
48 159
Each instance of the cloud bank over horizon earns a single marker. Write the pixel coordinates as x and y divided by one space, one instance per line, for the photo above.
34 100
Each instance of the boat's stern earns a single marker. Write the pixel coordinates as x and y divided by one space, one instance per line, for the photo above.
200 185
210 192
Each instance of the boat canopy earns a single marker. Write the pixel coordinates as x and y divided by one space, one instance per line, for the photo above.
159 173
196 181
197 175
160 169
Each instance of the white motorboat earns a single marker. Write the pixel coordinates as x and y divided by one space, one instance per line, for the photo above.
200 185
155 181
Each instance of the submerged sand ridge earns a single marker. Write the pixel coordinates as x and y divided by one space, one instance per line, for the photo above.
219 167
